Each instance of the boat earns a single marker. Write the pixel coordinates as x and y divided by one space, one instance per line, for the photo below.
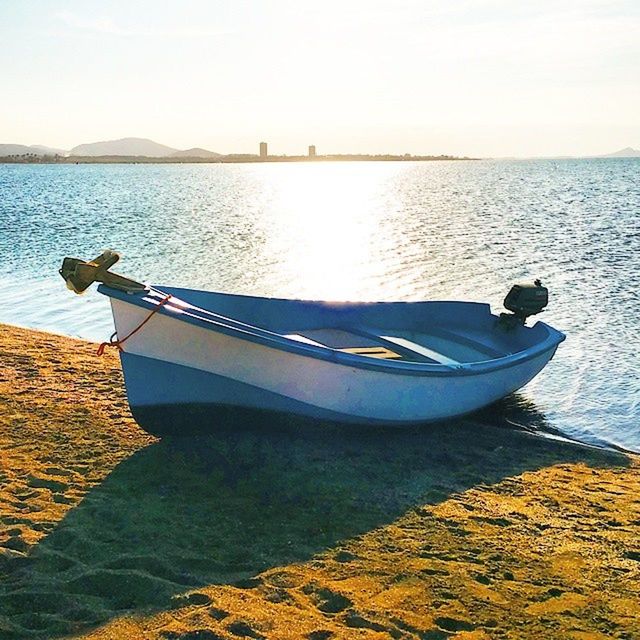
193 359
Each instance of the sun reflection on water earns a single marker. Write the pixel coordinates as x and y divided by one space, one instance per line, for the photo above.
326 229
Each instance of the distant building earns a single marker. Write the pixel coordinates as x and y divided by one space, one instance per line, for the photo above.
312 150
263 151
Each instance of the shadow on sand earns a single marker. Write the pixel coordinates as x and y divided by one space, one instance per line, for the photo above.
220 509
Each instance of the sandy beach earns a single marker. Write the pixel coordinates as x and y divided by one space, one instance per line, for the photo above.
461 530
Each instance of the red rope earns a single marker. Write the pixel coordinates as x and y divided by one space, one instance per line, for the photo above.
118 343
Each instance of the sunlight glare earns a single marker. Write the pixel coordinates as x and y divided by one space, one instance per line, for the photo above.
327 230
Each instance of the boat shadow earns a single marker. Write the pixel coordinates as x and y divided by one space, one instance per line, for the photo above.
181 514
515 411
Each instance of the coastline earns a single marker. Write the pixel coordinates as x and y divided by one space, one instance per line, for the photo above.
226 159
460 530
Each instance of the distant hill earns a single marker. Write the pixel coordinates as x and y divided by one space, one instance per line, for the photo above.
196 152
124 147
627 152
15 149
48 151
22 149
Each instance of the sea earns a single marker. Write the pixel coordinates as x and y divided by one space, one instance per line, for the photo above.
447 230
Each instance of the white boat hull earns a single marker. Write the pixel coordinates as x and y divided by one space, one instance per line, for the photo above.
173 368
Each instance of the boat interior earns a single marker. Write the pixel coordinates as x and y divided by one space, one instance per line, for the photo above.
400 345
446 333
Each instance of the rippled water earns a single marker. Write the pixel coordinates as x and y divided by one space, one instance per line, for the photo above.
406 231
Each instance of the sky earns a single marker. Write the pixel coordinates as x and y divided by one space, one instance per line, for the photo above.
466 77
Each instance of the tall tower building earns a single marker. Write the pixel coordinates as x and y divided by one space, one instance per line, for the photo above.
263 151
312 150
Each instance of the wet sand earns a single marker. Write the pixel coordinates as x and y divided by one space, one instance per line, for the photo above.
461 530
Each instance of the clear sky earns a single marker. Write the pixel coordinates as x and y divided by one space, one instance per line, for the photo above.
468 77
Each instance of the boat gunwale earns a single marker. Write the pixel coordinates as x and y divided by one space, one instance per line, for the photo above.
259 335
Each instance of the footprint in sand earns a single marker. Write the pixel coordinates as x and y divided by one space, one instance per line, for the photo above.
196 634
190 600
55 486
329 601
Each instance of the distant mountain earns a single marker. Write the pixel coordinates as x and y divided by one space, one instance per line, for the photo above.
22 149
48 151
196 152
627 152
124 147
14 149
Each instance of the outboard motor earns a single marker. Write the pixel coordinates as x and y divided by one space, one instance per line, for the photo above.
524 300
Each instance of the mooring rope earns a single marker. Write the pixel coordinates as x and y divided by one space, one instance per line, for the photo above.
115 342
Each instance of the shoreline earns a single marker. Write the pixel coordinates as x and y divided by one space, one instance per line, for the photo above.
47 332
227 159
460 530
554 435
254 159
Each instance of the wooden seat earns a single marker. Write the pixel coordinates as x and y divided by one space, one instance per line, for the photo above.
373 352
377 351
419 349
